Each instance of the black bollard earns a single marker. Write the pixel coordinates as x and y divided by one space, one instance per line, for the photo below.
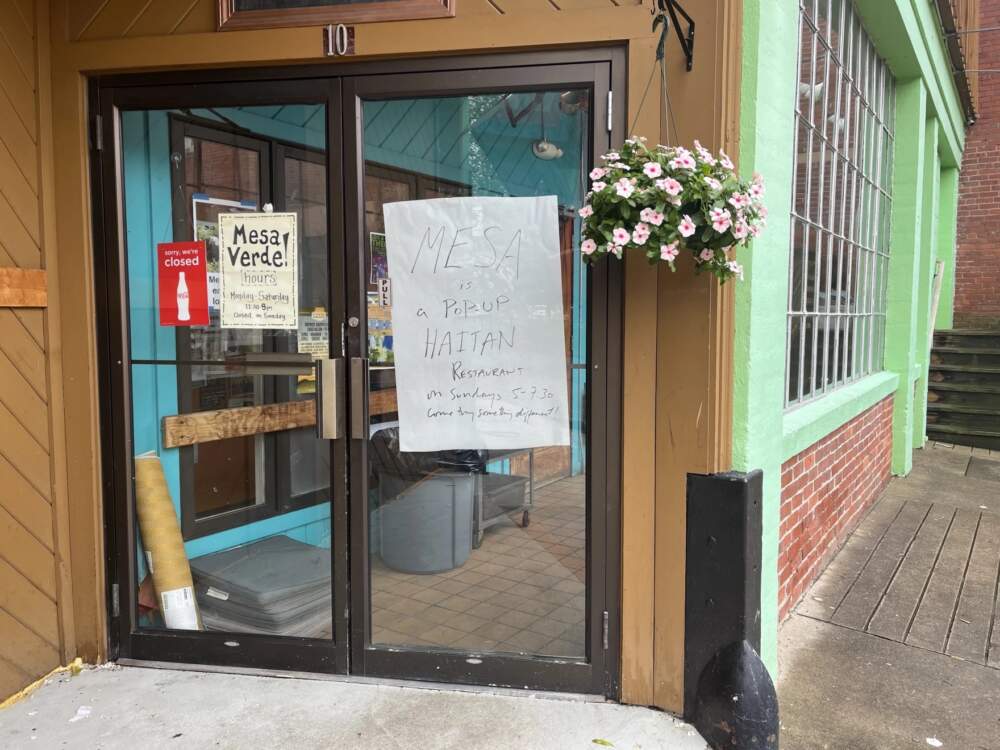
736 705
722 614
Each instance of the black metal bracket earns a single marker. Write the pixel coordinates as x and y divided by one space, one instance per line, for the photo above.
672 8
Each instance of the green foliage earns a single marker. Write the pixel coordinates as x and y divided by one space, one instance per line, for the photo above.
667 200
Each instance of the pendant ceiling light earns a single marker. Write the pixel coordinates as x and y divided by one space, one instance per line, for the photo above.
542 148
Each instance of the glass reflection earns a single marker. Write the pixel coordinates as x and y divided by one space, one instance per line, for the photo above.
233 510
470 549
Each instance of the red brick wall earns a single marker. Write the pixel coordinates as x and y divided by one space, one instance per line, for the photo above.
977 275
825 489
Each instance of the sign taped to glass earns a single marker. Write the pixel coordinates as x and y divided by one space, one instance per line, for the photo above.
478 319
183 283
259 279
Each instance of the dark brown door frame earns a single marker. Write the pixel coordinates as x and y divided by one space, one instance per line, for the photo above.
111 294
592 675
599 69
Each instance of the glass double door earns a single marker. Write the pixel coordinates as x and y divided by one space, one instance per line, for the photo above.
360 421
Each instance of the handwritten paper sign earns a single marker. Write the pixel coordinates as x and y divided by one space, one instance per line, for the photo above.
258 275
478 321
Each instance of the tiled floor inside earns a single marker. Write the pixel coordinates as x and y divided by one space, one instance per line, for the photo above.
521 591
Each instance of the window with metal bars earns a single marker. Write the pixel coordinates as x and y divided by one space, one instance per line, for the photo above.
844 107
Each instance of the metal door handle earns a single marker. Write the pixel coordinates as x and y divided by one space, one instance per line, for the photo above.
330 398
271 363
359 394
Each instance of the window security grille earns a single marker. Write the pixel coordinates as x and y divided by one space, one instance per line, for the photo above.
844 109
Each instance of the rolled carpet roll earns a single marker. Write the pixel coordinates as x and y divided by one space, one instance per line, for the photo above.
164 545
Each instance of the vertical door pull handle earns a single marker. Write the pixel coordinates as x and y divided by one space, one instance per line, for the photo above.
330 398
359 394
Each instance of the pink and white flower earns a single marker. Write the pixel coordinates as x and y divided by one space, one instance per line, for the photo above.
612 156
586 212
741 229
686 227
670 186
597 173
624 187
735 268
598 186
713 183
622 166
683 160
757 190
617 251
620 236
726 162
721 219
641 233
588 247
704 154
651 216
669 252
652 169
706 255
739 200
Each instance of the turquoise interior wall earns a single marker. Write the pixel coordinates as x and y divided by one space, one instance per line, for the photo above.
907 36
146 178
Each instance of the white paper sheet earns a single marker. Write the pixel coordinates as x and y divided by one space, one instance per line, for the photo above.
478 323
259 279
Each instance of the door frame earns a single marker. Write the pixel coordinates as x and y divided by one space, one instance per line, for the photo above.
534 672
336 84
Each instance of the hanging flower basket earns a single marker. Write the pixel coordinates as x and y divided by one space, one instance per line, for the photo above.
670 200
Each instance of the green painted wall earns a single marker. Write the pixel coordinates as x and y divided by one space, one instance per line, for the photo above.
904 262
928 259
926 156
947 237
767 130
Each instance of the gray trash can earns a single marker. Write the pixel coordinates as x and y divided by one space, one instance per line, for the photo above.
426 527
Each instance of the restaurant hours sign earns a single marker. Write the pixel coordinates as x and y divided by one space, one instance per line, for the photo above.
478 319
258 282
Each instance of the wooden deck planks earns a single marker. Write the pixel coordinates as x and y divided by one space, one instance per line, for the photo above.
937 607
970 630
895 612
861 601
923 566
830 590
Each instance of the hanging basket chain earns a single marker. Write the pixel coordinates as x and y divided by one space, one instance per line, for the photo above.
662 18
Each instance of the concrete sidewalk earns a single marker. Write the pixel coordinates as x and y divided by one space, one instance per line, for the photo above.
897 645
132 707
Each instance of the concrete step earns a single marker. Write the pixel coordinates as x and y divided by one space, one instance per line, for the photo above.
969 419
966 355
963 436
984 375
961 338
971 394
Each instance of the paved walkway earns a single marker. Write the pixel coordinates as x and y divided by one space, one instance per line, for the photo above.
897 645
132 707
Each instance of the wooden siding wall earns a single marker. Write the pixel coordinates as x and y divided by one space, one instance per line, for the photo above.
34 625
677 382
